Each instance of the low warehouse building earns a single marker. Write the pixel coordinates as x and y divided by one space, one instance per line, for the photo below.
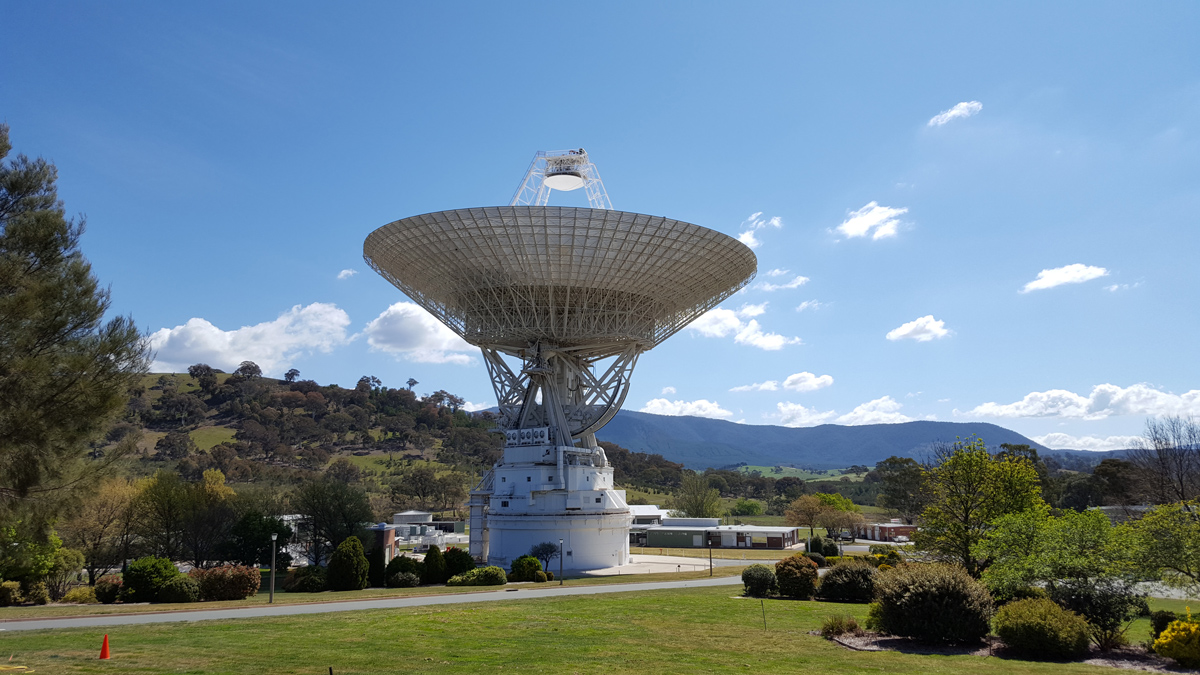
708 532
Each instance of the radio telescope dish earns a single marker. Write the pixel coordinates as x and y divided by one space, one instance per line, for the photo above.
577 295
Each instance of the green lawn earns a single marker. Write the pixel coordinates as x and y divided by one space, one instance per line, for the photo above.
675 631
791 471
208 437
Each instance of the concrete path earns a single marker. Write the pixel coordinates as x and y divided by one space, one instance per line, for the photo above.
521 593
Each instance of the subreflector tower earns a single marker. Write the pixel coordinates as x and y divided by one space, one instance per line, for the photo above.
573 296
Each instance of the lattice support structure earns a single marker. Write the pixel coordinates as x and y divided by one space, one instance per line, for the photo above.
534 191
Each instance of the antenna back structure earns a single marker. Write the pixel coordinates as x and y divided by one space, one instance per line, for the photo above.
563 170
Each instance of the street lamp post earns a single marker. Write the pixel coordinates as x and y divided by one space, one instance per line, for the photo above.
560 557
274 536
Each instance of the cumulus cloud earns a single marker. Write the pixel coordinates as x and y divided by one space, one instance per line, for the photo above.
346 274
668 391
777 272
1069 274
883 410
804 381
923 329
273 345
475 407
697 408
724 322
810 304
1059 441
754 223
796 282
873 219
1105 400
407 331
960 110
747 311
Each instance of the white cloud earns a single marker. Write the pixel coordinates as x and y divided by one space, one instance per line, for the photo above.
810 304
1122 287
960 110
769 385
777 272
754 223
724 322
748 311
1105 400
806 381
273 345
878 221
668 391
880 411
698 408
1069 274
1060 441
475 407
883 410
923 329
407 331
346 274
794 283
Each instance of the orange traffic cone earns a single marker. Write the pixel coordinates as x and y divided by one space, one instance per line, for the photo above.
104 648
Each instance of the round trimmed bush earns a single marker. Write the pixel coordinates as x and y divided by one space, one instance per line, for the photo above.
80 595
37 593
1159 620
817 558
227 582
1180 641
433 570
759 581
850 581
308 579
179 589
1039 628
403 580
403 563
524 568
797 577
539 577
145 576
107 589
549 575
932 603
10 594
829 548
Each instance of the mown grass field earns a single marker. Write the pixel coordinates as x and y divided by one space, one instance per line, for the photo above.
793 472
673 631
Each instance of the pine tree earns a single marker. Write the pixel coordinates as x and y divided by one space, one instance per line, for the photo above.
348 569
434 569
64 370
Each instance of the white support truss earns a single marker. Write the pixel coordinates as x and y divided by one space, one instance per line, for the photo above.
534 191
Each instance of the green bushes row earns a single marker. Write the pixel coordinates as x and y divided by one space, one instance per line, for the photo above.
480 576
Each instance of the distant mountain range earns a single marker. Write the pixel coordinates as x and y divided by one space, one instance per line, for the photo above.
700 443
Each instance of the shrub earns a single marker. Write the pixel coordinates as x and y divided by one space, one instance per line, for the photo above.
829 548
1107 604
144 577
457 561
838 624
884 567
933 603
10 594
1180 641
1004 595
433 571
1037 627
881 549
403 580
107 589
309 579
817 558
1159 620
873 622
36 592
64 571
80 595
540 577
759 581
549 575
377 571
849 582
524 568
348 567
480 576
228 582
797 577
403 563
179 589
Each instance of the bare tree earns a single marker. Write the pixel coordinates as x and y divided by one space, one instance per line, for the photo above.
1169 458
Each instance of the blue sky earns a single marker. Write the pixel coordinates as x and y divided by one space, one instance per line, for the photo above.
985 213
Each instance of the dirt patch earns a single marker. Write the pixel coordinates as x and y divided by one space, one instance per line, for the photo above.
1129 658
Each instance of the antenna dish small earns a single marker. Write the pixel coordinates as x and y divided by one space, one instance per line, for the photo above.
565 181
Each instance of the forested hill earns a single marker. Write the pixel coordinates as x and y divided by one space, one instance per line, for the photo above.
699 443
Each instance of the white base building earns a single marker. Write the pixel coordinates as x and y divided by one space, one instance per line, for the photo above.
548 493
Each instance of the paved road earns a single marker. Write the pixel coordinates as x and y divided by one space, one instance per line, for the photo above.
523 593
